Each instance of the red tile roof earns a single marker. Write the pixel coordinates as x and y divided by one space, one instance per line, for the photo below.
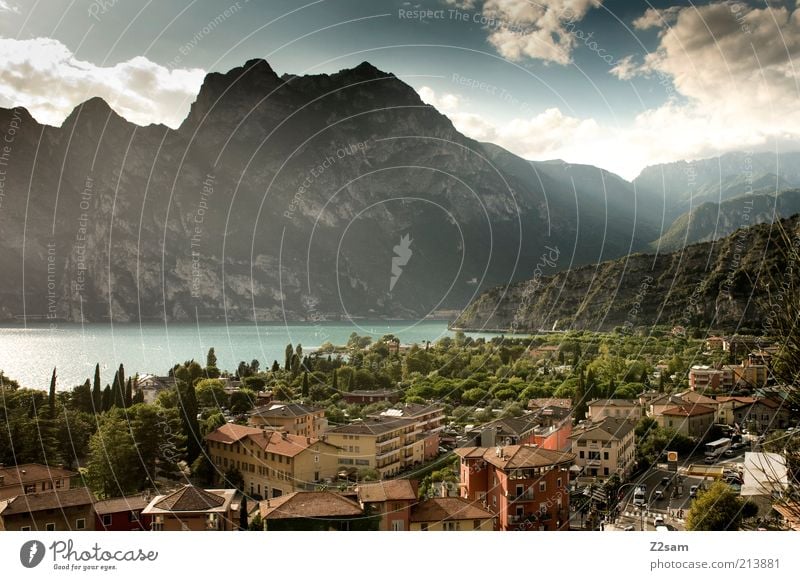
517 456
688 411
231 433
281 443
439 509
121 504
389 490
309 504
29 472
190 499
48 500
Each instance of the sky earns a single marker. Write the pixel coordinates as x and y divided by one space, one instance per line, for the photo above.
620 84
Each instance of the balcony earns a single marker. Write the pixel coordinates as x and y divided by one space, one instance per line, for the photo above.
594 462
527 496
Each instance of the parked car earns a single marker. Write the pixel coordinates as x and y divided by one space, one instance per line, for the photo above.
710 459
659 494
658 521
693 491
665 481
629 528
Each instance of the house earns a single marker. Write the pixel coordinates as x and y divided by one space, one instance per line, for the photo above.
714 343
549 402
691 420
32 478
629 409
524 486
192 508
764 414
122 514
56 510
731 410
361 397
450 514
545 351
387 445
605 448
391 500
314 511
704 377
151 386
271 463
291 418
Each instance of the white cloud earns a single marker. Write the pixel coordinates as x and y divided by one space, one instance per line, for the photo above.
44 76
6 7
656 18
540 30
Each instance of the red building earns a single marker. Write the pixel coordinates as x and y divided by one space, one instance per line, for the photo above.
392 499
122 514
525 486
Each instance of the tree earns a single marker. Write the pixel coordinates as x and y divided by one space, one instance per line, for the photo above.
112 458
107 399
128 392
275 366
241 401
334 386
305 384
256 524
212 371
81 398
580 403
716 509
288 352
97 391
187 402
254 366
51 400
210 394
295 364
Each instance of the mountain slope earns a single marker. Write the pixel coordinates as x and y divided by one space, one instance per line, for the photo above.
711 221
285 198
704 285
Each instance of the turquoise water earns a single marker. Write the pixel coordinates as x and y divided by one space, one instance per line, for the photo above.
29 354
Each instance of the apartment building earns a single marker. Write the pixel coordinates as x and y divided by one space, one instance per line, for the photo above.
387 445
30 478
605 448
291 418
629 409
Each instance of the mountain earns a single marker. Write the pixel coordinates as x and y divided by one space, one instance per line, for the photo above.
706 285
684 185
710 221
286 198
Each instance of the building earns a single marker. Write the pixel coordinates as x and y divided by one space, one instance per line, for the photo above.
391 500
122 514
629 409
151 386
430 422
291 418
545 351
542 403
731 410
605 448
386 445
314 511
524 486
451 514
368 397
764 415
272 463
687 419
191 508
705 378
714 343
765 474
541 428
33 478
53 511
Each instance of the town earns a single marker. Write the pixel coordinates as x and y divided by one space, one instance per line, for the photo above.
614 431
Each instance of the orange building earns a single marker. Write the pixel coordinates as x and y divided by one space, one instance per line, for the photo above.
525 486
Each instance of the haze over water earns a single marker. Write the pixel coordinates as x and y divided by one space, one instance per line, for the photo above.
28 355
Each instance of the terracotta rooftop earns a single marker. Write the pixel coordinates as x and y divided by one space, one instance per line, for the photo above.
29 472
231 433
517 456
688 411
47 500
120 504
309 504
284 444
614 402
389 490
439 509
189 499
550 402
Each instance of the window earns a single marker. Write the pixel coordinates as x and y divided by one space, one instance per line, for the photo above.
30 488
316 458
605 471
397 525
80 524
107 519
451 526
47 485
581 443
542 486
605 455
50 527
558 482
423 527
476 524
25 529
580 454
58 483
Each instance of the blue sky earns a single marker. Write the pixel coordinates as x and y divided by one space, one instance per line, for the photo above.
620 84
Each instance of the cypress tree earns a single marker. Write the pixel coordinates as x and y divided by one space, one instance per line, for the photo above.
128 393
51 401
305 384
97 391
108 398
333 386
288 356
275 366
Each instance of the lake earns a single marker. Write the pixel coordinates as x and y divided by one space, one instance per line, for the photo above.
28 354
